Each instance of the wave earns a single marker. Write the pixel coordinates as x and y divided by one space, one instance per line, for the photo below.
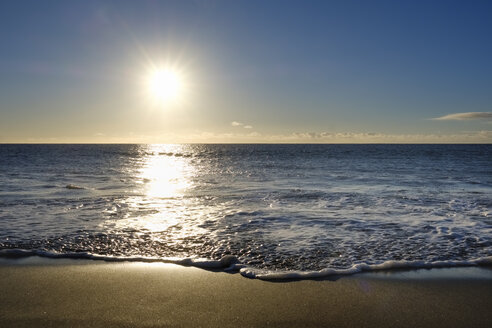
227 262
230 263
177 154
71 186
358 268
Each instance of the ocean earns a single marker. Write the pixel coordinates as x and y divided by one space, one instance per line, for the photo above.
266 211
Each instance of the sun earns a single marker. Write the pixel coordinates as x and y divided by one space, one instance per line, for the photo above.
165 85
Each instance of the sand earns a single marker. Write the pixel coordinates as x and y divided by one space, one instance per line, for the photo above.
69 293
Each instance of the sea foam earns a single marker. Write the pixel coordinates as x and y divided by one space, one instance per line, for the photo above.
232 264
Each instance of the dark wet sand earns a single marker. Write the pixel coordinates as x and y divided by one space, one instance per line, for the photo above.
66 293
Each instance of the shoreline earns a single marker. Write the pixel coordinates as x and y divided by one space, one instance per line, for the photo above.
231 264
85 293
458 272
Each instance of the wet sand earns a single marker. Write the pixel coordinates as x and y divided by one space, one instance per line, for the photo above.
75 293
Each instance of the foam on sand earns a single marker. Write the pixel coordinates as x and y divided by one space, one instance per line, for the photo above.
231 263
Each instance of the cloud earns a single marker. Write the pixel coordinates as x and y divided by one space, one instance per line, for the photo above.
375 137
243 136
465 116
246 126
248 136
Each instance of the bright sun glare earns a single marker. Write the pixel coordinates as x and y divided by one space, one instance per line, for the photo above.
165 85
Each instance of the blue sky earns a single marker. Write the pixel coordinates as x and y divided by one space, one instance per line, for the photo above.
255 71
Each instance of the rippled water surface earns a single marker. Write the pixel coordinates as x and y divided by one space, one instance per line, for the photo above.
286 207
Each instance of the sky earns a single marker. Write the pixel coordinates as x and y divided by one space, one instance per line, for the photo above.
249 71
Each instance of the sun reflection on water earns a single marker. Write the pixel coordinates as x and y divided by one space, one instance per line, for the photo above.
160 200
166 172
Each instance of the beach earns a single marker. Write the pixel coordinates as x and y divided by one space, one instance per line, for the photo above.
83 293
245 164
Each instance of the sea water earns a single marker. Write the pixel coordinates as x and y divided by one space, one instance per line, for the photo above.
268 211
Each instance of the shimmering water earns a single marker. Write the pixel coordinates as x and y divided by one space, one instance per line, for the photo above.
276 207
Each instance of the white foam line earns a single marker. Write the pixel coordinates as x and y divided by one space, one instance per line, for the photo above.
361 267
227 262
232 264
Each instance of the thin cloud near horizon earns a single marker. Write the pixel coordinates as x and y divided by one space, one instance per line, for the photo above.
246 126
465 116
483 136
